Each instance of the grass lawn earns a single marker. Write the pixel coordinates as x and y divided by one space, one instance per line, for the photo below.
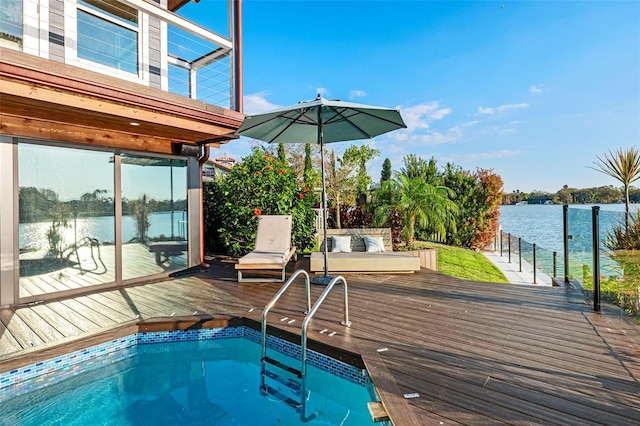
463 263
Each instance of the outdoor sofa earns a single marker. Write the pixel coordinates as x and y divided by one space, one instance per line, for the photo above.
358 259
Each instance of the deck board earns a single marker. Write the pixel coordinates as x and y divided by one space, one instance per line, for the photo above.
477 353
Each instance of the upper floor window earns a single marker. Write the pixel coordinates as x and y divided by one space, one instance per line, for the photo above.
108 34
11 26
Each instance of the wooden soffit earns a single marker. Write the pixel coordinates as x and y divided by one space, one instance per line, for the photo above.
46 99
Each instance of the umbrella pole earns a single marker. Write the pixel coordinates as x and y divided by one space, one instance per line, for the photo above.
326 278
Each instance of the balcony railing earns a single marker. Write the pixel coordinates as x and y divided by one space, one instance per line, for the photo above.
135 40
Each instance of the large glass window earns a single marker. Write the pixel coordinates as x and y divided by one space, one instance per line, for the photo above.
108 34
154 209
11 25
66 219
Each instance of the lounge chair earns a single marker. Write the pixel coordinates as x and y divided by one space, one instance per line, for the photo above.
272 249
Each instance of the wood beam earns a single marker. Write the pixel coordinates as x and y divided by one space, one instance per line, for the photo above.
46 94
64 132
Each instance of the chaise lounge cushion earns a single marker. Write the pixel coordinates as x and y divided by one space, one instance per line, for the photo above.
264 257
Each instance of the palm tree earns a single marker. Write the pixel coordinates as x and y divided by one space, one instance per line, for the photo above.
416 201
624 166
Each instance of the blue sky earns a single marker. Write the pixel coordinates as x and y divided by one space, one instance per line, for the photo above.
534 90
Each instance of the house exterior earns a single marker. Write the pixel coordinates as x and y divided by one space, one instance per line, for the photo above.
214 169
107 111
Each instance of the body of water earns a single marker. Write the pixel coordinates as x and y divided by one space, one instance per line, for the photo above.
33 235
542 224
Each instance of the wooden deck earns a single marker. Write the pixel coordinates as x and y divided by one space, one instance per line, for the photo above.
476 353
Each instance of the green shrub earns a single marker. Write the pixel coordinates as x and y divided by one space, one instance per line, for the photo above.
260 185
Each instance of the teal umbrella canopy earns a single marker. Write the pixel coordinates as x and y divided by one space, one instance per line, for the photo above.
322 121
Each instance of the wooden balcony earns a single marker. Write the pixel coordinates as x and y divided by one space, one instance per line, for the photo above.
49 100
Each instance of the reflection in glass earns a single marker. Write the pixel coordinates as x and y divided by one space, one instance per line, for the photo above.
66 219
11 25
154 209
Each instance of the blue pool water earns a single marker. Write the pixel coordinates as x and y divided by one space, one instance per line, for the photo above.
203 382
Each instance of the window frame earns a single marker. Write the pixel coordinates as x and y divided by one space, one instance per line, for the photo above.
72 35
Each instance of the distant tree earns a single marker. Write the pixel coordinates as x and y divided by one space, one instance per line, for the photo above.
492 186
357 157
564 195
308 164
140 211
385 174
478 197
623 166
417 167
340 183
282 153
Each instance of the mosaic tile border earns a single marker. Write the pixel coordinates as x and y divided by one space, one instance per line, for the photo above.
45 373
22 380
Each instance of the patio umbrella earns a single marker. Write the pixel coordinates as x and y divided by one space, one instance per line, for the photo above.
321 121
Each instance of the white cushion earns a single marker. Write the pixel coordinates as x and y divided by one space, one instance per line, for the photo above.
373 244
341 244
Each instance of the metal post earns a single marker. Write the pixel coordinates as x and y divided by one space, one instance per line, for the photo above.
520 254
509 246
595 220
555 264
501 243
565 231
534 264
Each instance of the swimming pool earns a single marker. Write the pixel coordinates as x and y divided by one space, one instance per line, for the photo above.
200 377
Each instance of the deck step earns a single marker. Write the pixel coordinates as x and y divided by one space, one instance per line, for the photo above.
283 366
291 384
297 405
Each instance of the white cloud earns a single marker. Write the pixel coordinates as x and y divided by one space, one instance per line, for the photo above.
406 138
501 108
256 103
322 91
534 90
419 116
357 94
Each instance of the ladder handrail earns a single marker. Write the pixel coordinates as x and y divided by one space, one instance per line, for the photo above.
313 311
275 299
310 312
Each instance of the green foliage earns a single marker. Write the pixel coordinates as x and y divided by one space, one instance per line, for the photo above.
282 153
623 289
356 158
308 171
478 196
418 167
260 185
625 236
624 166
385 174
212 202
464 263
417 202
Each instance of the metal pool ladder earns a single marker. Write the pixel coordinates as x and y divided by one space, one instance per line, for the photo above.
297 386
